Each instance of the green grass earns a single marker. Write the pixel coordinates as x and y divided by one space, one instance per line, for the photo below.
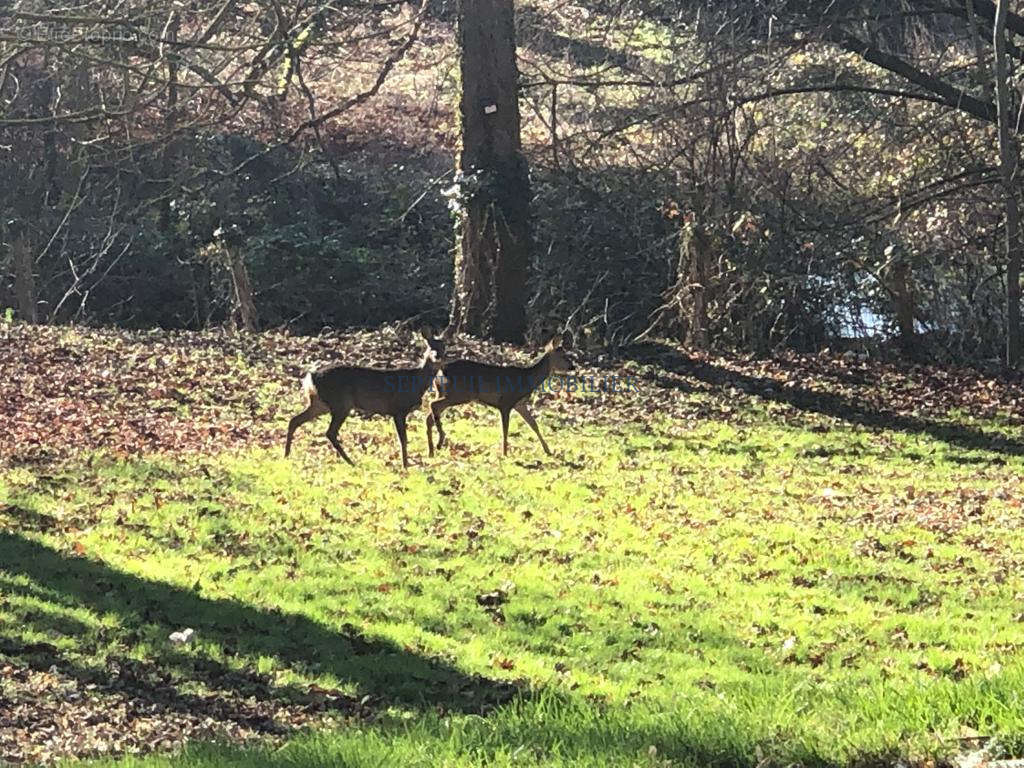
671 593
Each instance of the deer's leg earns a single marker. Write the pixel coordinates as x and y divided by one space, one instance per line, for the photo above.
504 431
430 430
434 418
314 410
337 419
524 411
400 429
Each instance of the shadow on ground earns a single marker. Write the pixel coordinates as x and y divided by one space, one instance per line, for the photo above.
150 610
850 409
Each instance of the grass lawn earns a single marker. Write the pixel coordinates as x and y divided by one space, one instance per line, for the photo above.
734 580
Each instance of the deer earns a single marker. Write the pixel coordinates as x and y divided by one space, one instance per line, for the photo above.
337 389
505 387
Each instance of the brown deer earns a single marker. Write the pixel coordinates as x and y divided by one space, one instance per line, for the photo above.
504 387
337 389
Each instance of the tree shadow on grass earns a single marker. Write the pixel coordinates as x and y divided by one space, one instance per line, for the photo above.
535 32
28 519
823 403
243 702
149 610
245 699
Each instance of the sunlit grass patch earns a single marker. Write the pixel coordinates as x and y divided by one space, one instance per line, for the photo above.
656 593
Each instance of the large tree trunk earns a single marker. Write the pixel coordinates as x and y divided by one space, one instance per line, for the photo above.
493 256
1009 156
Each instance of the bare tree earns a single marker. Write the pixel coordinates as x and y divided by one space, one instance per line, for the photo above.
166 101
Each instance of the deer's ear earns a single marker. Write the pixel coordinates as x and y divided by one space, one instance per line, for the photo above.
556 342
427 332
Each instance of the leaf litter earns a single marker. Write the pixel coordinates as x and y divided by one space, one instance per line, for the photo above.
68 390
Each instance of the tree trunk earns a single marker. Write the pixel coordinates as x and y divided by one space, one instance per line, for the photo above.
493 256
168 154
903 300
981 71
242 286
694 268
24 279
1009 156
